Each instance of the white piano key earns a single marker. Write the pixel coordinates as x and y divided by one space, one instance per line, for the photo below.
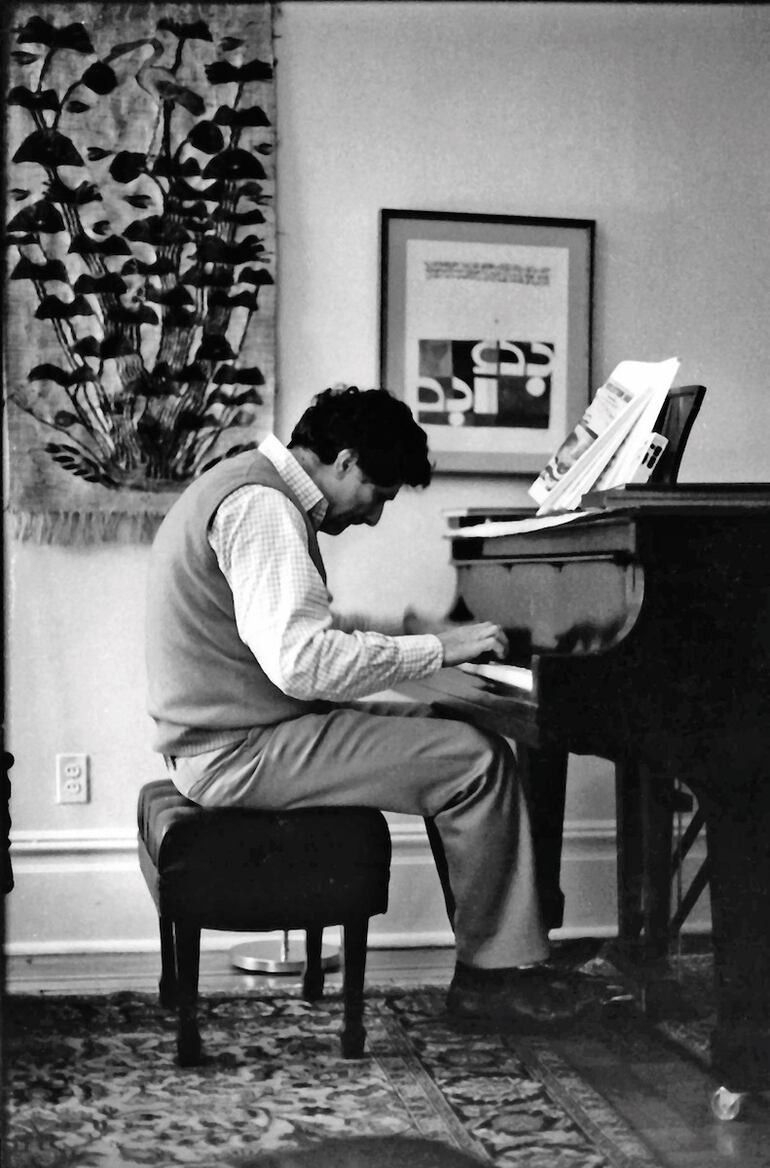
513 675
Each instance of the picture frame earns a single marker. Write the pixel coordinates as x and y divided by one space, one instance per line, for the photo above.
486 332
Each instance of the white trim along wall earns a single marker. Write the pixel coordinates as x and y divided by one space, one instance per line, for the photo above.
68 884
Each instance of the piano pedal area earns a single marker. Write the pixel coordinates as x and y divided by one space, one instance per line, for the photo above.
656 990
651 972
653 958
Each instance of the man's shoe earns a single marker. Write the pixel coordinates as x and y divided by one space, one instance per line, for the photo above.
574 954
523 999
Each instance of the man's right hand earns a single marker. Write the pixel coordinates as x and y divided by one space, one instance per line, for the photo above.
466 642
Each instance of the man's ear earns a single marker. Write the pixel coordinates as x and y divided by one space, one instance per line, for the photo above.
345 461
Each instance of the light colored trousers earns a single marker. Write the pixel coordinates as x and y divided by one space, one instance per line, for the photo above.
394 758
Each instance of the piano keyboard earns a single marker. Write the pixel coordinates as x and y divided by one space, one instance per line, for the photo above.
512 675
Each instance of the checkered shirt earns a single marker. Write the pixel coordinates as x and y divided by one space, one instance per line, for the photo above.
282 606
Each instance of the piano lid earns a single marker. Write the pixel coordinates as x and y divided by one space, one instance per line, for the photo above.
694 497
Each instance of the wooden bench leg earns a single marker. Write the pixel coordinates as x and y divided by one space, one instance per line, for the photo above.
353 1034
167 985
313 981
187 944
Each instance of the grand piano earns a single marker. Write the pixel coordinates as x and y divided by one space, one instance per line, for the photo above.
640 633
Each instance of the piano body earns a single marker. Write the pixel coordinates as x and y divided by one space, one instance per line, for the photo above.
641 634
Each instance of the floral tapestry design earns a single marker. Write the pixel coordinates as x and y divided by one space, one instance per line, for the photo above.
140 231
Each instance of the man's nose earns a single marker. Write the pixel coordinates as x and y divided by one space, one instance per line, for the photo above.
373 518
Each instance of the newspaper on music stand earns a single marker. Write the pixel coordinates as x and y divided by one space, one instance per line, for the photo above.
614 442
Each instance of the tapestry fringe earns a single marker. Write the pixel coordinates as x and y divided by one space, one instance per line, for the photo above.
79 528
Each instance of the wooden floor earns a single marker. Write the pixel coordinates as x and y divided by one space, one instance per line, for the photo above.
667 1102
108 973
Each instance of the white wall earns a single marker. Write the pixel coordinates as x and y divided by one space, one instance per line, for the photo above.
653 120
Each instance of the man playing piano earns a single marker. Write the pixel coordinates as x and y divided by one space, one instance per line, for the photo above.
253 680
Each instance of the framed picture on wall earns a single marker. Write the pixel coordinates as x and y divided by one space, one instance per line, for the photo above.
485 332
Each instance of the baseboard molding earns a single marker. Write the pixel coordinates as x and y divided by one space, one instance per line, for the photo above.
69 843
94 840
82 892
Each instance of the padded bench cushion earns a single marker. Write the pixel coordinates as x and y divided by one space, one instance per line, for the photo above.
238 869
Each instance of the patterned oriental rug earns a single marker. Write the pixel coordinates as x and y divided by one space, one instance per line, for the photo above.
91 1082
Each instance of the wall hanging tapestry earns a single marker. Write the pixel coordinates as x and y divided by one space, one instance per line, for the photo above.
139 298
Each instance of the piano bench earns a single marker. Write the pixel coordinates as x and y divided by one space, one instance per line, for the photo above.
260 871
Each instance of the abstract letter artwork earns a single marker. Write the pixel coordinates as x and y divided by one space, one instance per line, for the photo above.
484 383
485 329
140 306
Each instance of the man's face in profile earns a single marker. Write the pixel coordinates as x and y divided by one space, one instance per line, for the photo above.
354 499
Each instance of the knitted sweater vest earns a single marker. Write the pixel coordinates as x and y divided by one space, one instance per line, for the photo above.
206 688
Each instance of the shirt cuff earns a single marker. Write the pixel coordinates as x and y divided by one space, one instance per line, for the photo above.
423 652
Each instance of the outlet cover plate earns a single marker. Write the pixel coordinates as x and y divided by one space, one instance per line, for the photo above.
72 778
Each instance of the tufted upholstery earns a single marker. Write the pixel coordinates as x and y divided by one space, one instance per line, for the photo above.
260 871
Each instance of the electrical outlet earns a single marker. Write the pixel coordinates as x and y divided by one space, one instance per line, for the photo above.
72 778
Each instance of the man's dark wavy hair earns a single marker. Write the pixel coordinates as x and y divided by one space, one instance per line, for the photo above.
391 447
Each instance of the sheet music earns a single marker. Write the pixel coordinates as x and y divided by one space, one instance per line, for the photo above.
496 527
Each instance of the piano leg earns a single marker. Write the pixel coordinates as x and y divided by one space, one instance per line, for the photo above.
644 813
628 817
738 833
544 775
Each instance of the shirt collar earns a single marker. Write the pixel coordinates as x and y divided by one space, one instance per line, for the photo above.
296 478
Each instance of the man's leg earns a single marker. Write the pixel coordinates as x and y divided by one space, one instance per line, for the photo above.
462 778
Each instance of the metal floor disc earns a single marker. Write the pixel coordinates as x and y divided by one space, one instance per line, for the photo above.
270 956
